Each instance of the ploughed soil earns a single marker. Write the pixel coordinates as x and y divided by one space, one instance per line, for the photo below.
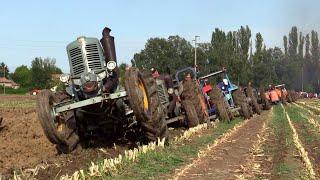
226 160
24 146
22 142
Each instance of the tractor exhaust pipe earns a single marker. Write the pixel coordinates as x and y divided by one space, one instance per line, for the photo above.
109 50
108 46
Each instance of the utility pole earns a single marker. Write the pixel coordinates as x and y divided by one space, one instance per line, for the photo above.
4 75
302 78
195 52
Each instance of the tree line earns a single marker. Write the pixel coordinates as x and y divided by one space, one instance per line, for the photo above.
39 75
296 65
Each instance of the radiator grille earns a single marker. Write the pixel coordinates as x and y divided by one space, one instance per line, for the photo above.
93 57
76 61
79 65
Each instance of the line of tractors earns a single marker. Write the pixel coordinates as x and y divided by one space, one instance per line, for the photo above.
94 104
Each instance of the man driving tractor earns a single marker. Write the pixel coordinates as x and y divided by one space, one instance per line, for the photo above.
173 98
224 86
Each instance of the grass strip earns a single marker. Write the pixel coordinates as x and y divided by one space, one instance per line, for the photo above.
17 104
303 112
279 148
299 146
315 110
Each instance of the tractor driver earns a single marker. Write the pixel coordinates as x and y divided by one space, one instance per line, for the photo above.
224 85
187 78
173 98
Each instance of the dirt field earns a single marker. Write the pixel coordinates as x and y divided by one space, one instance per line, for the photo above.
23 145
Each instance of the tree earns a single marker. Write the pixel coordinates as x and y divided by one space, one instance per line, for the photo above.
258 53
243 72
297 65
285 44
41 71
307 51
314 46
160 53
315 58
293 41
122 70
301 45
22 76
4 70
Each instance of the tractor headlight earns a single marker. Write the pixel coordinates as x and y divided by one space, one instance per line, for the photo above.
64 78
111 65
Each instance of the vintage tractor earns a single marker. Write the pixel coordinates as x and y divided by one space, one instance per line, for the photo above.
198 95
94 104
285 95
179 101
210 101
235 99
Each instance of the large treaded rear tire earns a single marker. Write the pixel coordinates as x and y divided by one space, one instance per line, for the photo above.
240 100
60 130
265 102
192 92
191 113
254 102
152 119
220 104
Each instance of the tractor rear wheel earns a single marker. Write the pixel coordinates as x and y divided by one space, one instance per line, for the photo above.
265 102
144 101
60 129
192 92
254 102
220 104
201 106
191 113
289 98
241 101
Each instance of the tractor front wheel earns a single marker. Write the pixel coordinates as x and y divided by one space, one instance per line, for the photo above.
61 129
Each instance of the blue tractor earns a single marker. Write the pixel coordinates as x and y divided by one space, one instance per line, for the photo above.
223 100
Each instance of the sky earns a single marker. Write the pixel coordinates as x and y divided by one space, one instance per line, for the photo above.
39 28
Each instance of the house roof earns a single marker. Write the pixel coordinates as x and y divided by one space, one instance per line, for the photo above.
4 80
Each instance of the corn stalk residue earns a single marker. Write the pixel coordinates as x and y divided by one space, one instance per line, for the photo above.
303 153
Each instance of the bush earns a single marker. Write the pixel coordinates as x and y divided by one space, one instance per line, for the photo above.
14 91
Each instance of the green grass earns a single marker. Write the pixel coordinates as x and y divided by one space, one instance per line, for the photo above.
17 103
161 164
14 91
307 131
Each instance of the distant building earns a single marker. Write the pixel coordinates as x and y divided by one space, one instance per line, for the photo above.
8 83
